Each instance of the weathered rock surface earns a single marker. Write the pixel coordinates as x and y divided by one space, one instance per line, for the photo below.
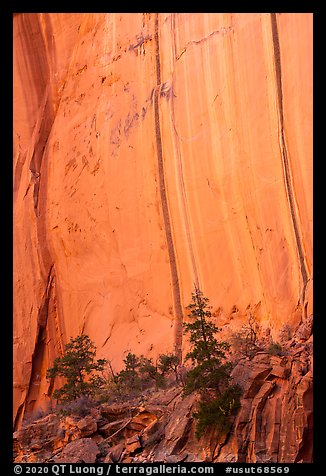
152 151
115 453
38 441
275 419
87 426
274 423
83 450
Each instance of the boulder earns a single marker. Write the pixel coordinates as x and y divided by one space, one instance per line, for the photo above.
133 444
116 411
304 331
115 453
108 459
83 450
110 428
87 426
175 458
141 421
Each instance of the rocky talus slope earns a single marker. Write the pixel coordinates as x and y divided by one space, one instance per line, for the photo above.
274 423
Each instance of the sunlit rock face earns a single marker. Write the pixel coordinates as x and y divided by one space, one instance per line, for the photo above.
153 152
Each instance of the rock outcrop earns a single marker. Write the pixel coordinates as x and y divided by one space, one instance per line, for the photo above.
152 152
274 423
275 420
83 450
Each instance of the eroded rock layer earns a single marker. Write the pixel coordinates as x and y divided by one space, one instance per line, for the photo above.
152 152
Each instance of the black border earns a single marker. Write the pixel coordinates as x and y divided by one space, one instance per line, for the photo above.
6 347
7 10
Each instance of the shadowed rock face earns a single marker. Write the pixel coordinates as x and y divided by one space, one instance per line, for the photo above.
152 152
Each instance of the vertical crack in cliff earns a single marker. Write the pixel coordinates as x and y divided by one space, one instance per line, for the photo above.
40 344
180 169
284 153
164 201
48 329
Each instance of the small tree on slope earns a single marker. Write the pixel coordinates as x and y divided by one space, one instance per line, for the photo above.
210 374
77 365
207 352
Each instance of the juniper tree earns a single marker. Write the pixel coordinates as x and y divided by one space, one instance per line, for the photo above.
149 372
77 365
129 377
138 372
216 412
210 374
207 354
169 363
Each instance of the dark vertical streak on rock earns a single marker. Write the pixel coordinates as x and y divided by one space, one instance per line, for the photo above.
40 343
165 208
286 164
19 416
180 171
157 52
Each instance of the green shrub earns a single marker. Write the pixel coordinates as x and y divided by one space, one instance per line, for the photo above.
139 373
77 365
129 377
207 376
215 414
111 391
169 363
275 349
149 372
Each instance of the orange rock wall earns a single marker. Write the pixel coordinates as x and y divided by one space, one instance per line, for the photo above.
152 152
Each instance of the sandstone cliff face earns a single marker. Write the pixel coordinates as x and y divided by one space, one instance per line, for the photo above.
152 152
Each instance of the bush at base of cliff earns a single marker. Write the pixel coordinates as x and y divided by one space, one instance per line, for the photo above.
139 375
169 363
77 365
276 349
207 376
79 407
37 414
245 341
215 414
